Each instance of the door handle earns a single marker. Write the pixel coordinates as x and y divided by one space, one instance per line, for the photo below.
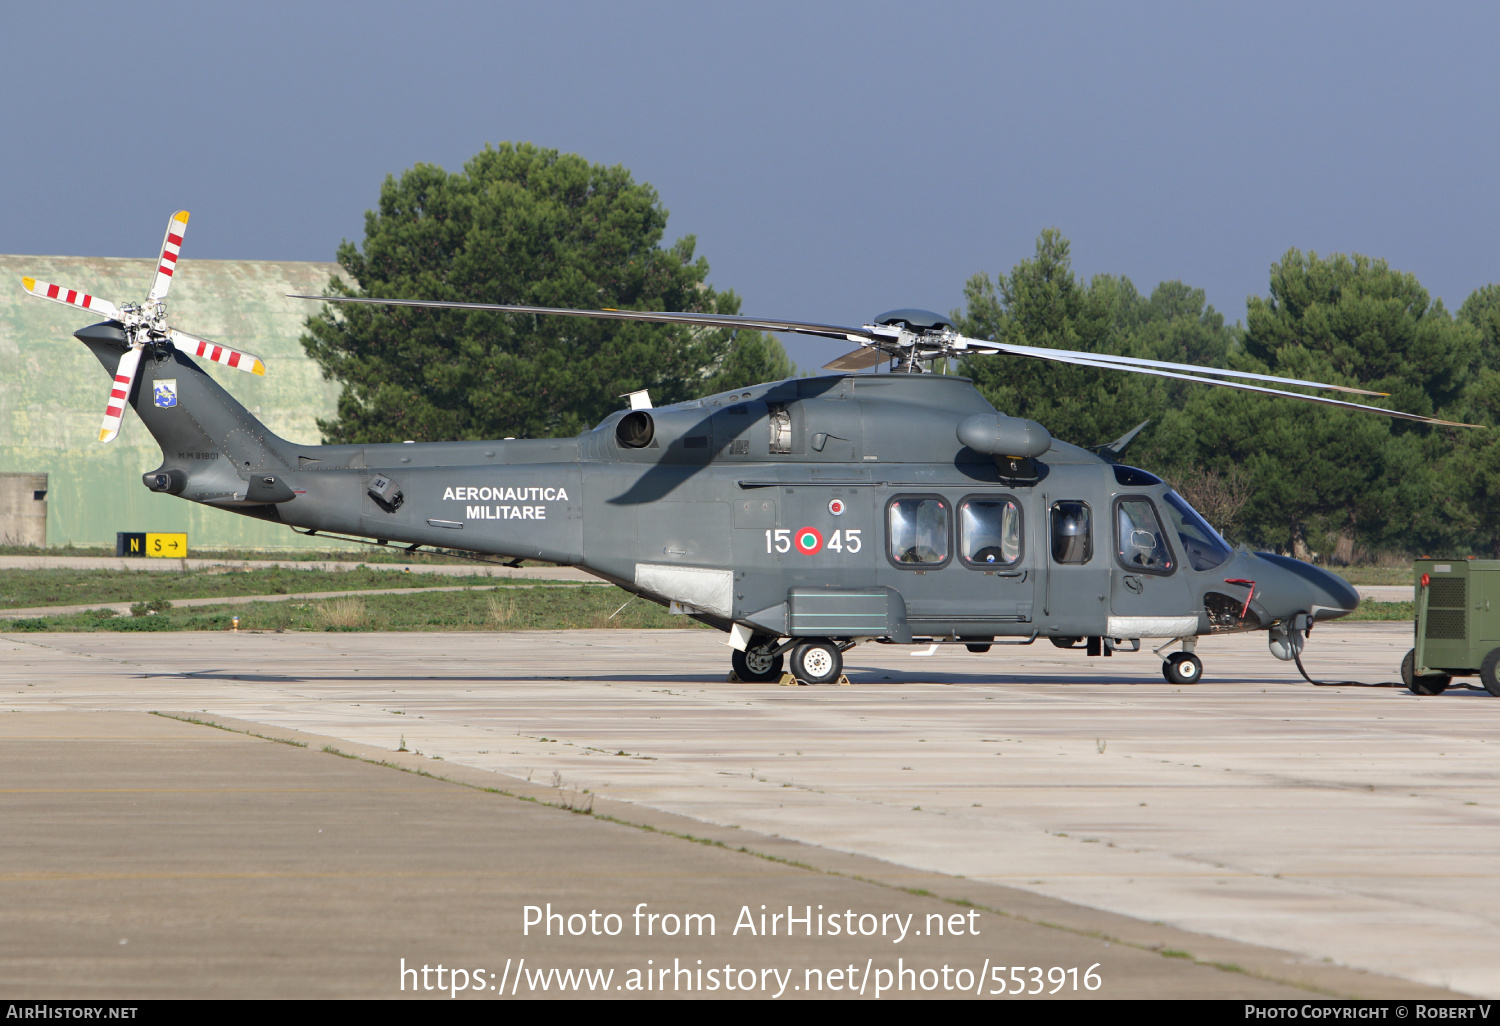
1134 584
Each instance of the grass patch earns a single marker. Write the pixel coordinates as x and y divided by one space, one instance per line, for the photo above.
1384 611
20 589
1375 574
502 609
487 609
343 614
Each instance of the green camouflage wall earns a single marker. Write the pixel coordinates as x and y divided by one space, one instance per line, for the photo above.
52 390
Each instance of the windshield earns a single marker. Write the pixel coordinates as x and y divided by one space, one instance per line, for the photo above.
1204 547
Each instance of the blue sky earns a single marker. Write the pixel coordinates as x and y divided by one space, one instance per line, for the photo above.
834 160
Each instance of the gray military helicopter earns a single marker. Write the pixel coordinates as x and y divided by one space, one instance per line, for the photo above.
801 517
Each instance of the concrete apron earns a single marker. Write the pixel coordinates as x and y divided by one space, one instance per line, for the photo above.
1346 824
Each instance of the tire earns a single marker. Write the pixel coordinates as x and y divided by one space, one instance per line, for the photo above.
1437 683
1065 642
1182 668
1489 673
977 647
817 662
756 665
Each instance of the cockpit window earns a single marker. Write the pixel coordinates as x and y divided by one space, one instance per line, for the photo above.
1139 540
1203 546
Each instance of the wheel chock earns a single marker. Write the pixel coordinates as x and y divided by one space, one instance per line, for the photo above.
788 681
733 678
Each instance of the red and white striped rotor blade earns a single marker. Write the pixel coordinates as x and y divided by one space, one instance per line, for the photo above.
119 394
195 346
71 297
166 264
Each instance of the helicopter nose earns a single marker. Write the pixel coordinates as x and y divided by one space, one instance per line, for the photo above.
1296 587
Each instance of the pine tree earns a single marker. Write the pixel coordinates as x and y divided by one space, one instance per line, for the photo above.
525 226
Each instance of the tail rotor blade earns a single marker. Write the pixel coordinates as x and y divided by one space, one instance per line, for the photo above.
166 264
195 346
71 297
119 394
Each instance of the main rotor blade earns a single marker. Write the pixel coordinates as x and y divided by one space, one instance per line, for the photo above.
218 354
166 264
70 297
1086 360
119 394
1136 365
1126 362
857 360
702 320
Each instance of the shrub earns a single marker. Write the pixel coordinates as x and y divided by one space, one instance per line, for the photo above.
343 614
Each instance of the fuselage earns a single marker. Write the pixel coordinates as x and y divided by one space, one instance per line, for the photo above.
839 506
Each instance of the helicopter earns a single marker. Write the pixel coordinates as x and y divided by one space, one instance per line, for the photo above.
800 517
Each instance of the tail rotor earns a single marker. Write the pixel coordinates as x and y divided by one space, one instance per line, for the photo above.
145 326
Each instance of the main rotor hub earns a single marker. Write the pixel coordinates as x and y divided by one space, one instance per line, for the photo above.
913 337
916 320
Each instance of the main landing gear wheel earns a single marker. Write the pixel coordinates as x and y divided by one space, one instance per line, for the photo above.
1182 668
756 665
1434 683
817 662
1064 642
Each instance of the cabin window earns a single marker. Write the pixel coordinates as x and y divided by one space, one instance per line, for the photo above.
1140 542
989 531
917 526
1072 532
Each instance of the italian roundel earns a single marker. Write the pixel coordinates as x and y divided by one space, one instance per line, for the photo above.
808 540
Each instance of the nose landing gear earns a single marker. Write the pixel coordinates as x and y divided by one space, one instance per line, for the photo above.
1182 668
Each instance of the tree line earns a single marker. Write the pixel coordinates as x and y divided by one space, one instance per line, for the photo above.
1298 477
530 226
